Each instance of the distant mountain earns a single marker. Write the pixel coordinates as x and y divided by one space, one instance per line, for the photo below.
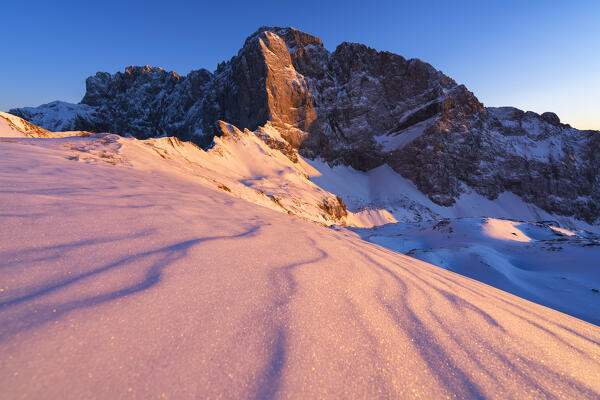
356 107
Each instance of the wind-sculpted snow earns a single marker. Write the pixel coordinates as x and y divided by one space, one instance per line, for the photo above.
138 279
541 262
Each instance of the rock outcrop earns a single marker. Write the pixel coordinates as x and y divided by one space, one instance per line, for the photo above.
354 106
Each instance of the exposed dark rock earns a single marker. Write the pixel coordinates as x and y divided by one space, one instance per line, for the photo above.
334 209
551 118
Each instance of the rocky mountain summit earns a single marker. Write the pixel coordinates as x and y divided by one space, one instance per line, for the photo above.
354 106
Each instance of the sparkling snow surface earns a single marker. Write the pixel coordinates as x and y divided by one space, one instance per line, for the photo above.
123 278
552 266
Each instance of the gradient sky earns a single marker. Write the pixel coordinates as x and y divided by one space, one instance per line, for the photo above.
535 55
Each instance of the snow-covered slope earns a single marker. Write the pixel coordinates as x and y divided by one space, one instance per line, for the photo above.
124 277
13 126
60 115
246 165
540 262
384 188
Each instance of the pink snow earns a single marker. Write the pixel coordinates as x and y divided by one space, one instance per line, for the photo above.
122 277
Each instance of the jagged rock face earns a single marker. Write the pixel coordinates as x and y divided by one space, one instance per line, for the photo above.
289 100
505 149
260 84
145 101
354 106
366 93
142 102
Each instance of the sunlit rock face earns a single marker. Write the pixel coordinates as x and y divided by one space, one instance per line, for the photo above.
267 87
354 106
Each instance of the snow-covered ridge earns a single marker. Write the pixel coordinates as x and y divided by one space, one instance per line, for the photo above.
12 126
59 116
243 164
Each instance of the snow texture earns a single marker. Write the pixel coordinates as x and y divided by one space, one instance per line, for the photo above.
126 274
553 266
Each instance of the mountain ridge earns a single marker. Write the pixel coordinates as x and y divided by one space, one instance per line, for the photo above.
354 106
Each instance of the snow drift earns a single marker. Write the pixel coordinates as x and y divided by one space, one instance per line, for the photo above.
126 272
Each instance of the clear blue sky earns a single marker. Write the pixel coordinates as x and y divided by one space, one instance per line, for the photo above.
535 55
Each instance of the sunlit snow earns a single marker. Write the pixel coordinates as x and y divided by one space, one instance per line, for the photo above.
127 269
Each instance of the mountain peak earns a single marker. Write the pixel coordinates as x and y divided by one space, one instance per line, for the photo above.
290 35
354 106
